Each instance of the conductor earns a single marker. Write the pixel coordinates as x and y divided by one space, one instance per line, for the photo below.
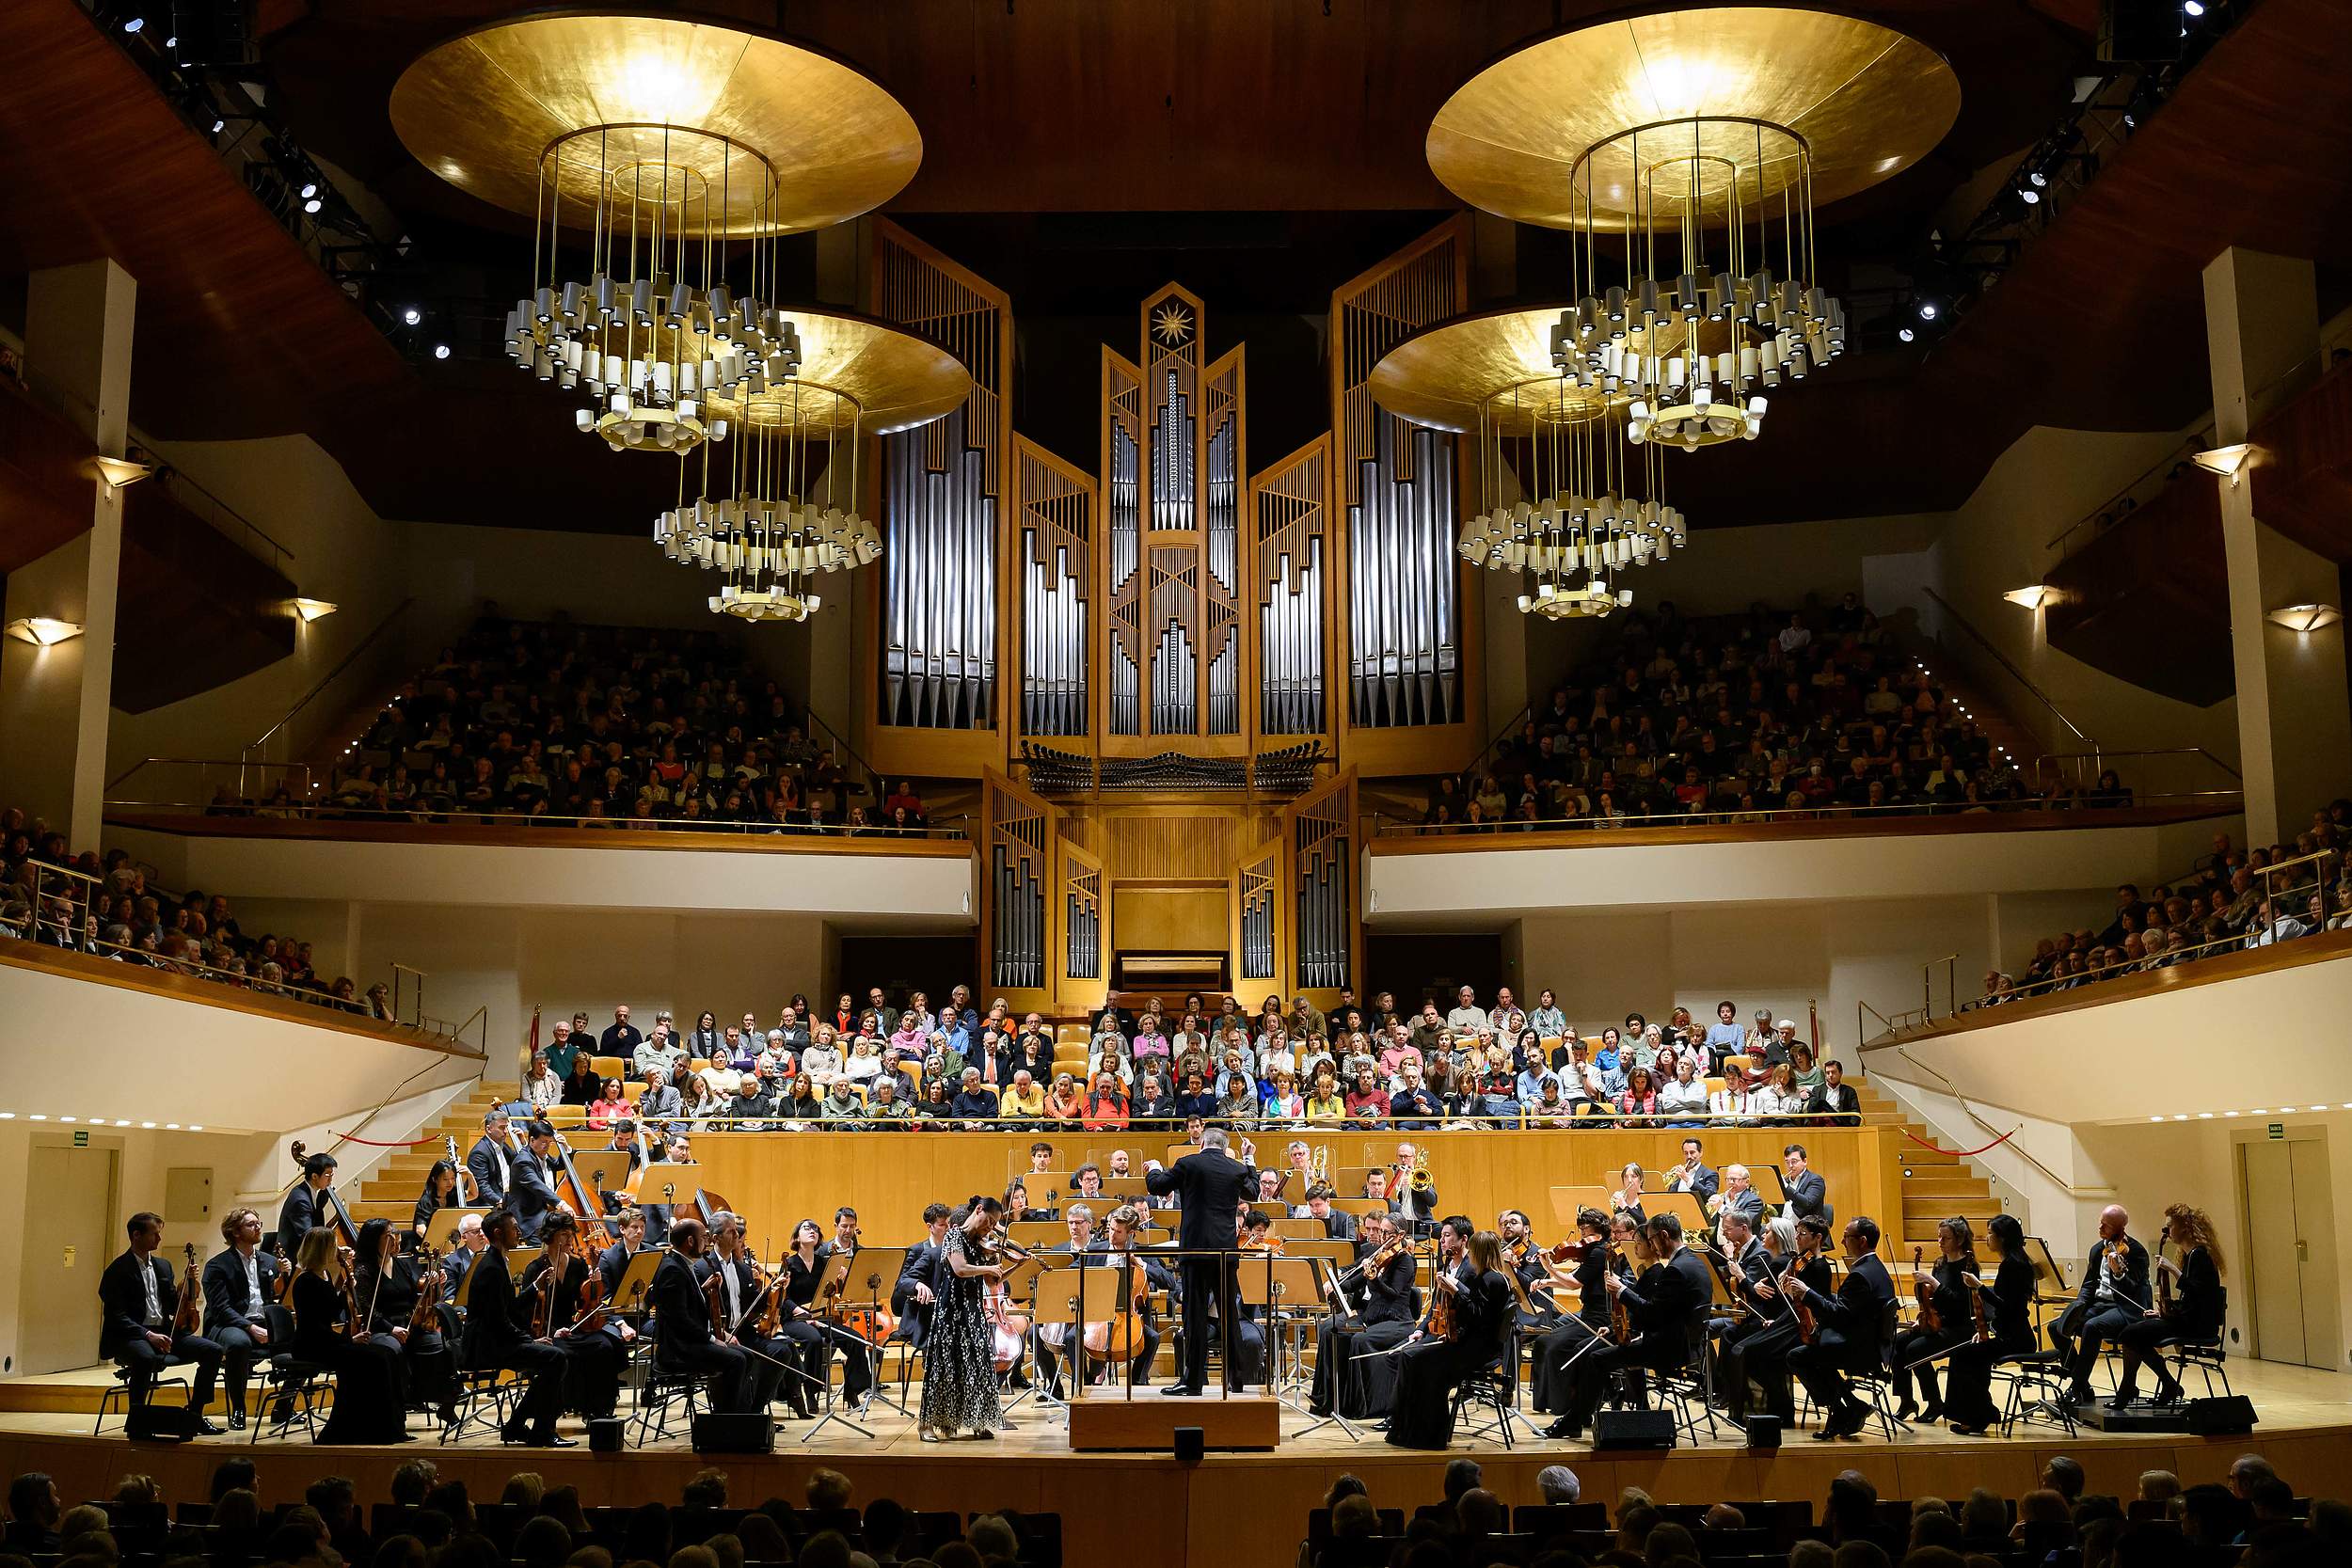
1208 1186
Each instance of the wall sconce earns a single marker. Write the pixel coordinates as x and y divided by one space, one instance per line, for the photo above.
2225 461
2035 597
43 631
314 610
2305 618
119 471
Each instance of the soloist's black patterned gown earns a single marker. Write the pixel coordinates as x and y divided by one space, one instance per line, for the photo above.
958 1374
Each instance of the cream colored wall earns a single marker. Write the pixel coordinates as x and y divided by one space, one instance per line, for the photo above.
1998 540
342 552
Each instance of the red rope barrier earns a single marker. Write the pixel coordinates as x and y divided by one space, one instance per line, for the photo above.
1962 1153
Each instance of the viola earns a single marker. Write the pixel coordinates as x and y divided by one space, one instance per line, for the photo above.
429 1281
1929 1318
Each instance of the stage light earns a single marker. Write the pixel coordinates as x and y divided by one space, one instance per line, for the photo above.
441 350
2036 179
312 205
1905 334
219 125
309 189
412 315
1927 310
2193 7
135 23
2030 197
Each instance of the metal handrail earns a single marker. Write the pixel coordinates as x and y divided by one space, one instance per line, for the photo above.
2101 759
303 769
1970 1112
1385 827
463 816
323 681
198 968
2009 665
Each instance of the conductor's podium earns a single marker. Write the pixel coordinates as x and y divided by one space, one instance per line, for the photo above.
1109 1421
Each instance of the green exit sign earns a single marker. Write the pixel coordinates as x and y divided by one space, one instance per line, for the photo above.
2279 1132
81 1137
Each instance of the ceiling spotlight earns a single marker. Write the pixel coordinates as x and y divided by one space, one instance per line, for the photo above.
218 126
135 23
441 350
2036 179
312 205
2032 198
309 189
172 43
412 315
2193 7
1927 310
1905 334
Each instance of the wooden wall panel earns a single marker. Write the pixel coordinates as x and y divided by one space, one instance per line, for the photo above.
780 1178
1174 844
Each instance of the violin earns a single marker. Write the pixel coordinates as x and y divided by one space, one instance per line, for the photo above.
543 1309
281 1283
429 1282
190 1309
1929 1318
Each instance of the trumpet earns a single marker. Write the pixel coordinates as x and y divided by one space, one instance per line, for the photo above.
1419 1180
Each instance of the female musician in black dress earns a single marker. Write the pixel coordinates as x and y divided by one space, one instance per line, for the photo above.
959 1370
386 1283
802 1270
2008 1299
1483 1311
443 1189
2188 1303
1915 1346
367 1404
593 1358
1574 1332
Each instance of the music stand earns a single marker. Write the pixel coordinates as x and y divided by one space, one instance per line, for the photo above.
1124 1188
1359 1207
1033 1234
518 1260
1287 1290
833 1285
1683 1206
1056 1295
604 1172
1030 1273
636 1279
1565 1201
441 1229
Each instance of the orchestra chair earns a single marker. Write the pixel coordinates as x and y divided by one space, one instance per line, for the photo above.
1691 1385
1875 1387
284 1381
663 1391
2036 1382
2205 1355
116 1398
481 1398
1493 1388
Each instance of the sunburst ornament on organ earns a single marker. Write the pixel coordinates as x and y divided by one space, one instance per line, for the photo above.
1172 325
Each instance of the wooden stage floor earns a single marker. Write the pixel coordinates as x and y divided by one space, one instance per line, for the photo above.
1229 1511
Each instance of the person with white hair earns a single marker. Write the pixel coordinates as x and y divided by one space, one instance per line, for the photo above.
1558 1485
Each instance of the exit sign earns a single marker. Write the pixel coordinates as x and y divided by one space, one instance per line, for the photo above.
81 1137
2279 1132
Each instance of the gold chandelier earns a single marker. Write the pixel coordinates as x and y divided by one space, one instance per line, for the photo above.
661 161
1570 498
779 504
1686 152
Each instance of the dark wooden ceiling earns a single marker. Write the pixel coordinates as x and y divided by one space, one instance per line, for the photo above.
1281 144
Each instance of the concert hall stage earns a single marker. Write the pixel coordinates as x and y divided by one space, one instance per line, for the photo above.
1229 1511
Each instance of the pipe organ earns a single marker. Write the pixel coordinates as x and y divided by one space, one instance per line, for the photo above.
1290 503
1054 521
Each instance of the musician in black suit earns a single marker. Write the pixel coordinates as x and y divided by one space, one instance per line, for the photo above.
1481 1311
530 1196
240 1281
1850 1333
1834 1101
857 1355
741 1299
1662 1308
1737 1195
138 1303
1808 1193
1753 1344
2008 1298
2114 1296
488 1159
629 1228
1694 1174
2193 1314
684 1339
1338 1224
1208 1186
1352 1375
912 1298
307 1204
497 1334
